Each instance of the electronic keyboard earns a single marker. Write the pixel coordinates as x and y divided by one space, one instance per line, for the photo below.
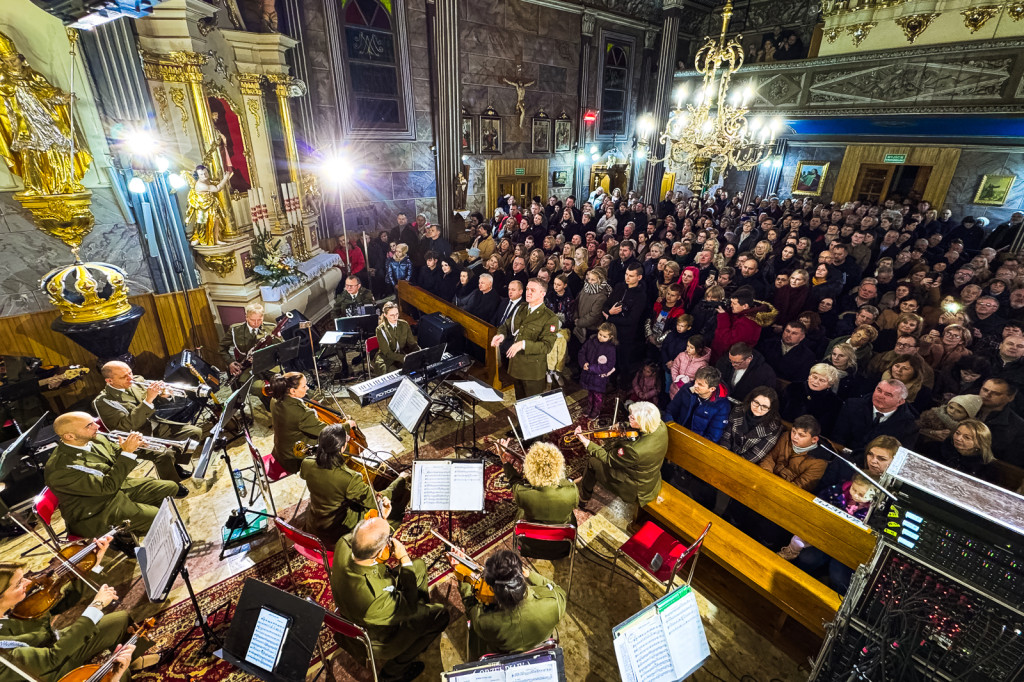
378 388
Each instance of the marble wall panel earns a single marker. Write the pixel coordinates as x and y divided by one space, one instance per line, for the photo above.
520 16
489 12
428 207
972 166
482 39
414 184
552 78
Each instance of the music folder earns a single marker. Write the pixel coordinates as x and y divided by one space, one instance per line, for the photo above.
164 551
448 485
664 642
545 665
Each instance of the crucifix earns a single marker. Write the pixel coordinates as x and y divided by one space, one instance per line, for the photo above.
520 87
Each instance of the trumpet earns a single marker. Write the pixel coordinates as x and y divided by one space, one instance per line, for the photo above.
187 446
176 390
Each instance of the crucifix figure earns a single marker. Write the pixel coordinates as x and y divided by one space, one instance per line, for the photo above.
520 87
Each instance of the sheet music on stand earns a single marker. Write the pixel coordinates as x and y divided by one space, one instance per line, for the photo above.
409 404
664 642
165 547
448 485
542 414
546 665
478 390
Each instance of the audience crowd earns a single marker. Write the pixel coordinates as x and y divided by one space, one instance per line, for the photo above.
756 323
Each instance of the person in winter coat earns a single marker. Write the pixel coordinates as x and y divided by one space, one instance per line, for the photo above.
796 458
754 427
590 304
685 365
741 322
967 449
467 293
399 267
597 360
791 300
950 346
814 397
644 387
938 423
702 406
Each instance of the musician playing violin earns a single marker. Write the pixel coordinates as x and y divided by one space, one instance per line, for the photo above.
239 339
526 607
34 646
392 604
340 496
542 492
630 469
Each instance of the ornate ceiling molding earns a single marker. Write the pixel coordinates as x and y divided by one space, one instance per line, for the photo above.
976 17
175 67
914 25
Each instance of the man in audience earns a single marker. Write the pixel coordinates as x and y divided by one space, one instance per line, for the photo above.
787 353
702 405
1006 426
433 241
737 322
486 306
906 345
1008 364
883 413
750 277
617 270
626 308
569 270
743 369
519 273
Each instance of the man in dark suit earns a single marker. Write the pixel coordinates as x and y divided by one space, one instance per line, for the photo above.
569 270
486 306
743 369
1007 428
883 413
507 308
617 270
626 307
787 353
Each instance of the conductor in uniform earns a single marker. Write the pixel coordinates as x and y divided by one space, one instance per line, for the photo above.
393 606
631 470
126 406
533 330
240 338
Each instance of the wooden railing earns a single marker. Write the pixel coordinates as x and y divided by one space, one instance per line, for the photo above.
794 592
475 330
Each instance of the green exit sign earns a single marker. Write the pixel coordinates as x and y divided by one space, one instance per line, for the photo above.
895 158
520 171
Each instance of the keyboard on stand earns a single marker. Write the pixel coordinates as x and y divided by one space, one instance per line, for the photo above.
378 388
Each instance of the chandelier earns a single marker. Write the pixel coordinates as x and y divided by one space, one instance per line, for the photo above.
707 131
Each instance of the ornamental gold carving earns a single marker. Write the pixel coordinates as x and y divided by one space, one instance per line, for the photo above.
914 25
976 17
254 111
64 216
250 83
858 32
161 102
221 264
178 97
832 34
175 67
1016 10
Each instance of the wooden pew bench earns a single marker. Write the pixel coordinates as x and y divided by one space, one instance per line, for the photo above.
795 593
476 331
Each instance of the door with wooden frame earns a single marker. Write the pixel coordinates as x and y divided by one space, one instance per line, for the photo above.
873 182
523 188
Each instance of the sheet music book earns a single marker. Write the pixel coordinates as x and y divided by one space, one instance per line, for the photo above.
664 642
267 639
163 552
542 414
408 404
480 391
446 484
543 666
331 338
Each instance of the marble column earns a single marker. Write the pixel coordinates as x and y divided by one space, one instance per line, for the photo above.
448 110
580 188
662 96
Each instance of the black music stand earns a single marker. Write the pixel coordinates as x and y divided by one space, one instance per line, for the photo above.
12 455
476 391
273 634
360 328
418 361
408 405
270 357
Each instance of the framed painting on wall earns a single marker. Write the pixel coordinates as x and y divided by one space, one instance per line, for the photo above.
540 134
809 178
993 190
467 132
563 133
490 132
559 178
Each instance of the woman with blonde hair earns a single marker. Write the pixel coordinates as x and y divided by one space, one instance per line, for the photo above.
535 261
910 370
968 448
542 492
395 340
400 265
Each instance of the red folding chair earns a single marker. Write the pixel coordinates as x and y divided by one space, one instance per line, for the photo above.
45 506
275 472
343 628
305 544
659 554
548 533
371 345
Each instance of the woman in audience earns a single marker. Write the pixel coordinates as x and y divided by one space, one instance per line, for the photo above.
815 338
909 370
505 253
967 449
942 350
535 261
449 279
844 359
938 423
814 397
670 273
826 309
493 268
827 282
861 339
559 299
685 365
790 301
399 267
965 376
754 427
693 292
467 293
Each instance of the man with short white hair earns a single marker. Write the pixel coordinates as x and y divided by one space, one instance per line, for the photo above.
487 302
239 339
883 413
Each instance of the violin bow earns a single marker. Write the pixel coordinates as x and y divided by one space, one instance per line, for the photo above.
516 434
312 352
46 543
17 670
455 549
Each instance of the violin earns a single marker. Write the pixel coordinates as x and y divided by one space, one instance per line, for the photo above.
104 672
628 434
48 584
468 571
384 555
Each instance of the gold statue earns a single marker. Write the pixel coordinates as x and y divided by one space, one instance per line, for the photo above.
520 87
35 129
205 215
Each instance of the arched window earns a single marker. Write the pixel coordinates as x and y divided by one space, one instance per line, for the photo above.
616 72
373 51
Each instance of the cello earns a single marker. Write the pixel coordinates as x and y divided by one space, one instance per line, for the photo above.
103 672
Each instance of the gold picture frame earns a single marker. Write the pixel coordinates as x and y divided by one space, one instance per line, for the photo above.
809 178
994 190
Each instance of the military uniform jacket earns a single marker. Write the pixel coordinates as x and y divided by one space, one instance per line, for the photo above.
345 300
537 329
293 421
43 654
549 504
338 499
240 336
88 486
125 410
635 468
374 596
393 345
522 628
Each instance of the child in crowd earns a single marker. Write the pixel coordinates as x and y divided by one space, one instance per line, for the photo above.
853 497
674 343
645 385
938 422
597 358
686 364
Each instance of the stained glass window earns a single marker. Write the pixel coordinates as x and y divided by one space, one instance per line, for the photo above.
375 87
615 76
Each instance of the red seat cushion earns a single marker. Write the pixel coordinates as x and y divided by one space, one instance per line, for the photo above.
274 470
313 555
45 505
651 539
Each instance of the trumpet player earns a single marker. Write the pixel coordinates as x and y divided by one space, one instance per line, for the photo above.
89 475
124 405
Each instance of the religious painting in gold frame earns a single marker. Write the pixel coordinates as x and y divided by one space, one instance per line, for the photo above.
993 190
809 178
233 147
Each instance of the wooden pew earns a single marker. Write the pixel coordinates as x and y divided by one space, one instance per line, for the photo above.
795 593
476 330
